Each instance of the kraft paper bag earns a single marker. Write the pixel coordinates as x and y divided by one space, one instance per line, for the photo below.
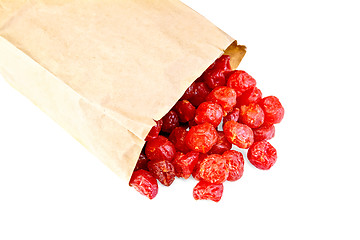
105 70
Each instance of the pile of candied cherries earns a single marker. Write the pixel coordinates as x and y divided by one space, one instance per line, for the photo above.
187 141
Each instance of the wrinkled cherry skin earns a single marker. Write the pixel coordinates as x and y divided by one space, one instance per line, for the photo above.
214 76
224 96
155 130
222 145
170 121
273 110
160 148
240 81
208 191
144 183
177 137
189 93
185 110
235 164
209 112
252 95
252 115
262 155
213 169
184 163
232 116
201 138
264 132
201 90
163 171
196 173
141 163
239 134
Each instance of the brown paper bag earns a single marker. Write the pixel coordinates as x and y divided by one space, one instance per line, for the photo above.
106 69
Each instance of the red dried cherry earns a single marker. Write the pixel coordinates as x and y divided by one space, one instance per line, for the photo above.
177 137
163 171
155 130
214 76
238 134
184 164
160 148
144 183
141 163
274 111
201 138
185 110
201 90
252 115
252 95
264 132
262 155
189 93
170 121
222 145
235 163
232 116
240 81
208 191
196 173
213 169
224 96
209 112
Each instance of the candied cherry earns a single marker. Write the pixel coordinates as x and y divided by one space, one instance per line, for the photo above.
209 112
213 169
239 134
202 137
201 90
252 115
185 110
177 137
163 171
155 130
144 183
262 155
235 163
264 132
224 96
222 145
232 116
160 148
184 164
252 95
170 121
240 81
214 76
142 162
273 110
208 191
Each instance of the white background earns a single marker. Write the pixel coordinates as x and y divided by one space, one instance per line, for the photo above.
304 52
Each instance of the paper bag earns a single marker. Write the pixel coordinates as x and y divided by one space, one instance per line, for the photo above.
105 70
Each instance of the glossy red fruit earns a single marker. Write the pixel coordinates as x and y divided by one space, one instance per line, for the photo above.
141 163
184 164
273 110
252 115
201 138
224 96
222 145
232 116
160 148
214 76
252 95
240 81
189 93
170 121
213 169
154 131
185 110
264 132
235 163
163 171
177 137
239 134
201 90
208 191
144 183
209 112
262 155
196 172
